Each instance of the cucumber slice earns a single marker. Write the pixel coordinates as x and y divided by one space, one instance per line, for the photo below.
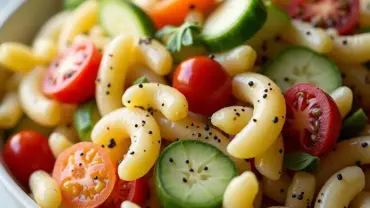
123 17
298 64
26 124
353 125
192 174
276 21
85 118
72 4
233 23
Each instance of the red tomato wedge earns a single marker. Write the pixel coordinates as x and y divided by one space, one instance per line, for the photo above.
313 120
26 152
134 191
205 84
342 15
174 12
85 174
71 76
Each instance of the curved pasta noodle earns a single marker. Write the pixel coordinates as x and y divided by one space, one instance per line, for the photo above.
17 57
232 119
269 113
39 108
341 188
270 163
45 190
276 190
58 143
301 33
128 204
348 152
154 55
45 45
364 14
351 49
343 97
112 74
81 20
141 71
100 42
190 129
138 124
169 101
241 191
237 60
68 131
301 191
10 111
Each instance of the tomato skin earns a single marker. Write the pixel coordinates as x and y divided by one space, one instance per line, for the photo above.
205 84
80 87
79 169
134 191
301 100
25 152
345 25
174 12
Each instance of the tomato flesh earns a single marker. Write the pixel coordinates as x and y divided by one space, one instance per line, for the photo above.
313 120
205 84
342 15
71 76
134 191
85 174
26 152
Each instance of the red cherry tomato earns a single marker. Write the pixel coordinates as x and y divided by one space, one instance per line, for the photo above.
134 191
71 76
205 84
86 175
313 120
26 152
342 15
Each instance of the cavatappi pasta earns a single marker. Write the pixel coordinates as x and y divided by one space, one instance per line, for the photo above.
210 104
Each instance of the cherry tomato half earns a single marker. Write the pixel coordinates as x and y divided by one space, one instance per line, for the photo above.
26 152
174 12
134 191
205 84
71 76
342 15
85 174
313 120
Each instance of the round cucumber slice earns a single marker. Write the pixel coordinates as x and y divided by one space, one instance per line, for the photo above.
277 20
192 174
353 125
233 23
85 118
299 64
124 17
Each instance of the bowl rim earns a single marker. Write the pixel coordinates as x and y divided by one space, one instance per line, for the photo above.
6 179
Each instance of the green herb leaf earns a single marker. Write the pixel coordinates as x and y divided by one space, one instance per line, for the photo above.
184 35
140 80
300 161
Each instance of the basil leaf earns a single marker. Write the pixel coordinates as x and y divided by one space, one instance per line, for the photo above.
187 38
184 35
166 31
300 161
140 80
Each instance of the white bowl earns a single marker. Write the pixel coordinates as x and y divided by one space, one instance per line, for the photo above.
19 21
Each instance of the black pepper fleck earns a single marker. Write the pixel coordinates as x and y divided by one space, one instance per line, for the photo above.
364 144
339 177
250 83
275 120
112 143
